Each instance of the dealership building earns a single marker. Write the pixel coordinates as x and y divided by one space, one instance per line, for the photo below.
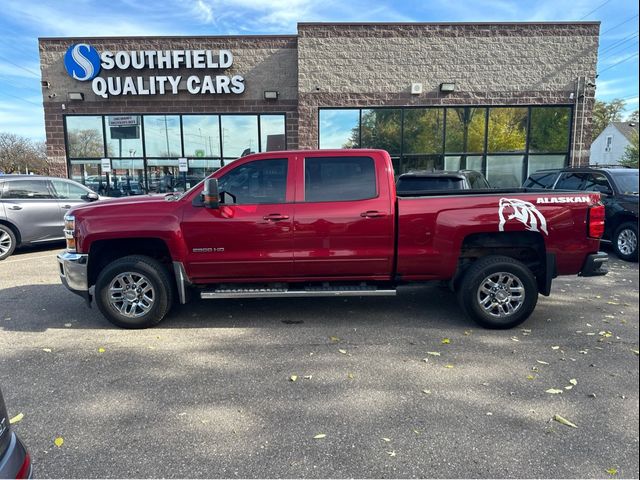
158 113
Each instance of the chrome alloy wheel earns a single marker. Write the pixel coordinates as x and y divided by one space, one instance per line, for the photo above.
501 294
627 241
5 242
131 294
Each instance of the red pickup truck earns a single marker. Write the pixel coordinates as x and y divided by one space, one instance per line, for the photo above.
327 223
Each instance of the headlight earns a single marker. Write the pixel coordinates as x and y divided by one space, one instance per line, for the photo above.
70 232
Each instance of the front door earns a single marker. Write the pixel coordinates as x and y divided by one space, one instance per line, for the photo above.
344 218
250 237
69 195
29 204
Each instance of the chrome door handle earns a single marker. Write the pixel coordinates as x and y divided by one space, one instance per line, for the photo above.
15 207
274 217
372 214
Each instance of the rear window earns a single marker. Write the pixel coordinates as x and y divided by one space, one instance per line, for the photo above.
572 181
336 179
541 180
420 184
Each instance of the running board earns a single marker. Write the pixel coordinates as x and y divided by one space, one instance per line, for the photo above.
307 292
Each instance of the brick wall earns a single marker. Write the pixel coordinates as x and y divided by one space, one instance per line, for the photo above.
491 64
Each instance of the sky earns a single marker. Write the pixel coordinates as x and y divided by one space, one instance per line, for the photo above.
21 23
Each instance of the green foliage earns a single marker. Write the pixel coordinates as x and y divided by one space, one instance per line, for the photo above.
465 129
633 116
507 129
630 157
606 112
549 129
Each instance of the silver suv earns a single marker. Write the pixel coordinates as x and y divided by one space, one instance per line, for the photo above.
32 209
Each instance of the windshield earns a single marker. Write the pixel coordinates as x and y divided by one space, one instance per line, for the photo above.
627 181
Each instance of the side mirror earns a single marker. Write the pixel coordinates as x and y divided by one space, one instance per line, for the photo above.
91 197
210 197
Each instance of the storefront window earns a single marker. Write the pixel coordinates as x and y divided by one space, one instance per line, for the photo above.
162 174
272 133
126 178
162 136
84 137
124 136
381 128
504 171
88 173
339 129
423 129
507 129
465 129
549 129
201 134
452 163
541 162
474 163
412 163
239 135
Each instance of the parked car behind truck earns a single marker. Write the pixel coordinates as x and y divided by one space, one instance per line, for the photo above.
619 192
327 223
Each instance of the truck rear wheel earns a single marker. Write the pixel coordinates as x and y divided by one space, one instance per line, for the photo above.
498 292
134 292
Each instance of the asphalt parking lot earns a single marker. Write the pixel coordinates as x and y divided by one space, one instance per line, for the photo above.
385 387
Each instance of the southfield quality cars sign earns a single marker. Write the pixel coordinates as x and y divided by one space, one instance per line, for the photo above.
84 63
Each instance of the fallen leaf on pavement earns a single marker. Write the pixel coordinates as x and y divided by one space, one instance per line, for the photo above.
448 366
293 378
568 387
446 341
573 381
342 351
334 339
386 439
468 332
553 391
434 354
636 352
530 377
427 392
555 347
101 350
16 419
308 377
392 453
564 421
58 441
319 436
48 350
350 376
612 471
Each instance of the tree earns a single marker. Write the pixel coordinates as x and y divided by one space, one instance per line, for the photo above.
606 112
85 143
20 155
633 116
630 157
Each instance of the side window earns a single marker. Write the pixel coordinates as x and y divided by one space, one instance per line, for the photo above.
262 181
608 143
541 180
334 179
67 190
597 182
26 189
571 181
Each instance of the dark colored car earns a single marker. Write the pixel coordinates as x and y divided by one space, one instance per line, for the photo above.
14 458
619 191
32 209
425 181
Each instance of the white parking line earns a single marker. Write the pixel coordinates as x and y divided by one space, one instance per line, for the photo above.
23 259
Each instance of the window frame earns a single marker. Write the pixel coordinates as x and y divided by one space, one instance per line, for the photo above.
44 181
288 174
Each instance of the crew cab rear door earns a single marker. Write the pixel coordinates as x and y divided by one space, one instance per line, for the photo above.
250 236
343 217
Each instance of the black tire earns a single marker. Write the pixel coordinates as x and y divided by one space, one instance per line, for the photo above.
485 273
7 241
139 312
625 242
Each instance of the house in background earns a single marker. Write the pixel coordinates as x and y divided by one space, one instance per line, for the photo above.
608 148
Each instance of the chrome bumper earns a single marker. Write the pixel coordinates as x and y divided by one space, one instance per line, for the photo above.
73 271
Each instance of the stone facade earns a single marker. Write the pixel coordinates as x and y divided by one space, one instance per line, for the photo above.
358 65
363 65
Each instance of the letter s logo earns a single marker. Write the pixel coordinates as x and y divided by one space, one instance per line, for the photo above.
82 61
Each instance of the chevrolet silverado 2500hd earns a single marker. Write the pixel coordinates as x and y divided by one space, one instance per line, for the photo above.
327 223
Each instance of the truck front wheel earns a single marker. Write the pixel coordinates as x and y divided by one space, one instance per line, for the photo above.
134 292
498 292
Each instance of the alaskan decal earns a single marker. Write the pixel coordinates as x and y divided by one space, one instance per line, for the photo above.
569 199
522 211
